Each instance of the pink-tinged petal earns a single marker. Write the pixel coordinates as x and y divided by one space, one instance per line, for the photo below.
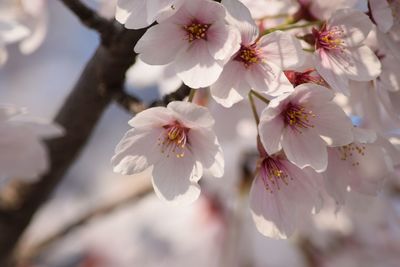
363 65
270 130
269 79
329 68
191 115
177 185
305 149
196 67
282 49
374 165
132 13
382 14
333 124
355 25
137 150
239 16
152 117
207 151
172 38
335 177
227 90
272 212
312 95
162 9
205 11
222 40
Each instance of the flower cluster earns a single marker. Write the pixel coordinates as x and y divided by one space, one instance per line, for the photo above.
315 72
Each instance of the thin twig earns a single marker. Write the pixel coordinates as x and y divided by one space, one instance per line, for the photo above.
138 192
89 17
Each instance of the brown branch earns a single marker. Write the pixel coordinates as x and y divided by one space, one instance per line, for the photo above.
78 116
90 18
137 193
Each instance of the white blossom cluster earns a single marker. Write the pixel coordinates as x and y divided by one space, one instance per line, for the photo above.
297 58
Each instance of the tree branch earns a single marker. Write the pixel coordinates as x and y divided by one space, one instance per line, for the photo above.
101 80
90 18
137 193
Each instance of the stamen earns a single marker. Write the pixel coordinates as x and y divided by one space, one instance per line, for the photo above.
196 31
298 117
248 55
174 140
273 174
347 152
329 39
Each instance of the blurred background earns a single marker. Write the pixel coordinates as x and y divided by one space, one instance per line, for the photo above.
100 219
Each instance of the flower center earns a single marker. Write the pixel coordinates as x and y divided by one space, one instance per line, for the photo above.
346 152
174 140
196 31
298 117
329 39
273 174
248 55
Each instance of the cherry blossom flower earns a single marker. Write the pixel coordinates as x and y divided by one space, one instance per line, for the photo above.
23 154
303 123
178 143
136 14
259 62
360 166
196 40
340 54
282 196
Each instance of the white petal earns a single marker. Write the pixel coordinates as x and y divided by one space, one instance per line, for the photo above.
192 115
172 38
332 123
271 130
132 13
222 40
137 151
282 49
364 64
177 185
206 149
196 67
152 117
305 149
355 24
271 211
226 90
331 71
239 16
382 14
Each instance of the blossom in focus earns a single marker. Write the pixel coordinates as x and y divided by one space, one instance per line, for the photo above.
282 196
195 39
22 152
304 123
259 62
178 143
340 55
